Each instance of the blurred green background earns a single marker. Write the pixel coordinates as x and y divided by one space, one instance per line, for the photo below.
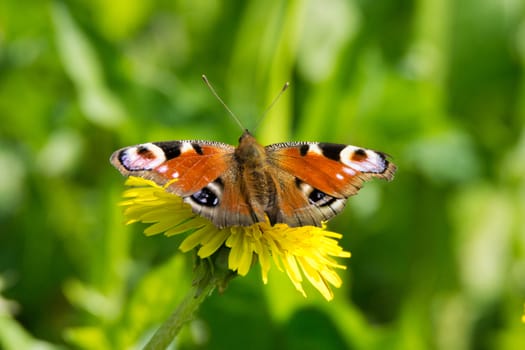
438 255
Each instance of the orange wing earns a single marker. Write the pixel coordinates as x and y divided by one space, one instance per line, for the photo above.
188 166
316 178
337 170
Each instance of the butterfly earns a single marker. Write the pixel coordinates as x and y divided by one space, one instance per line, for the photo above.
295 183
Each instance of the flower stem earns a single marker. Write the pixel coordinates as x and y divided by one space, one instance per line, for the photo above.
182 314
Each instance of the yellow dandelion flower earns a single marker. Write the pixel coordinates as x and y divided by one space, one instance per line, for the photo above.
306 251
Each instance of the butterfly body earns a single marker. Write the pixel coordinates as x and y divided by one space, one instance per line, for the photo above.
296 183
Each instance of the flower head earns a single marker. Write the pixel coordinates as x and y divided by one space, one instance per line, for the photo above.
306 251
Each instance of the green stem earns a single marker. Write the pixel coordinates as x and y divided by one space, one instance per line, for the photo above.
182 314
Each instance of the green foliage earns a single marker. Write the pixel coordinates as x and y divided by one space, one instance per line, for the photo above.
438 255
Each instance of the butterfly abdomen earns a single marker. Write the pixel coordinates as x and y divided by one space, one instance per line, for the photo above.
257 185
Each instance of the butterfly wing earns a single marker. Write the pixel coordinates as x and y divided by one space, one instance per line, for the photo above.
315 179
185 167
203 173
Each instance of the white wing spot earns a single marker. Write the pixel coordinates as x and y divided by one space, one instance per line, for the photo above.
349 171
315 149
186 147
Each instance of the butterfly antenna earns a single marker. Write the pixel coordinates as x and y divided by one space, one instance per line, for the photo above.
285 86
207 82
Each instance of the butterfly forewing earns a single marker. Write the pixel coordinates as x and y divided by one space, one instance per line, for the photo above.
188 166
